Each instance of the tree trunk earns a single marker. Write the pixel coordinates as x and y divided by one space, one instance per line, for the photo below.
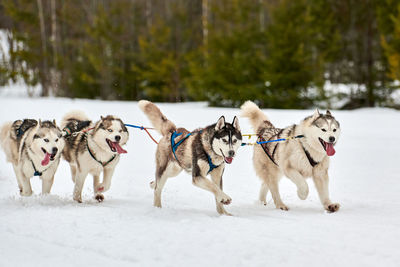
43 72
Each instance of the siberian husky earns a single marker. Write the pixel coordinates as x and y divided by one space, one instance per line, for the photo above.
201 152
93 148
299 158
34 149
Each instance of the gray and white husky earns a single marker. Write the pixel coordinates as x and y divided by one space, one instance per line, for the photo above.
201 152
93 148
34 149
298 158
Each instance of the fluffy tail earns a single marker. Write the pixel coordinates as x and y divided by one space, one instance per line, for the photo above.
157 119
257 118
73 115
4 132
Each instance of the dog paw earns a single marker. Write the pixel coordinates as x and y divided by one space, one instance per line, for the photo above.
99 197
26 194
78 199
263 202
224 199
332 207
302 193
282 207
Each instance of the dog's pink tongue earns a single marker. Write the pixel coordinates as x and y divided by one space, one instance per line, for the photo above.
330 151
119 149
46 159
228 160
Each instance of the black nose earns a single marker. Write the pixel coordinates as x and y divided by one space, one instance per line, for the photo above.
54 150
231 153
117 138
331 139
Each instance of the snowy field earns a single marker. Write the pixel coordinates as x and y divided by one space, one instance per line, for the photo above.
126 230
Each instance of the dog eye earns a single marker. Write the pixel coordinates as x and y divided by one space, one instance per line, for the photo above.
323 130
224 140
46 140
234 141
110 130
334 130
56 140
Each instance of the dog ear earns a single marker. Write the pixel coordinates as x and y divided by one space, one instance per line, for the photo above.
102 118
54 122
316 114
40 123
235 123
328 113
220 123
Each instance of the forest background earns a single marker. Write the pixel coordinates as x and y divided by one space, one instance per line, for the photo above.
280 53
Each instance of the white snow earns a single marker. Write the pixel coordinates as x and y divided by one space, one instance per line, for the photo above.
126 230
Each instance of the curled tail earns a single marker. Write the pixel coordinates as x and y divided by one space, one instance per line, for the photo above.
75 115
157 119
257 118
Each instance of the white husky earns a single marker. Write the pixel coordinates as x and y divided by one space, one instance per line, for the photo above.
34 149
93 148
298 158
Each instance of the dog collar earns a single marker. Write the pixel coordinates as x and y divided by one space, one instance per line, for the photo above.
38 173
102 163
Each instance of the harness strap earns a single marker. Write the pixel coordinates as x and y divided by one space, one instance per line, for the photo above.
265 148
102 163
174 146
313 163
212 165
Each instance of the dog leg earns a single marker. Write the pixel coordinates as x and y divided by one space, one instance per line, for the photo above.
106 184
18 179
208 185
216 177
162 174
23 182
79 182
73 172
299 181
263 194
96 182
274 187
321 182
47 183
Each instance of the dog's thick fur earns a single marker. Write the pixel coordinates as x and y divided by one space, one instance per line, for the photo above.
102 157
32 146
192 155
290 157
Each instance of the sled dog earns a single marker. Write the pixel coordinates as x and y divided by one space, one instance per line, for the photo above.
34 149
201 152
306 154
93 148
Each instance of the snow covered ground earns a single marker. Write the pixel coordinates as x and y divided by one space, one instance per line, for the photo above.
126 230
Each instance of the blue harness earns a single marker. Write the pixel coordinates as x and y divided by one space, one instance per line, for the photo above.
174 146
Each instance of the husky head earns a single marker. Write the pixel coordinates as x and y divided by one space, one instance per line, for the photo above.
227 138
110 134
324 131
47 141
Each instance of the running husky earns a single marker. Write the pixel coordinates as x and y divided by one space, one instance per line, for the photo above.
304 155
201 152
34 149
93 148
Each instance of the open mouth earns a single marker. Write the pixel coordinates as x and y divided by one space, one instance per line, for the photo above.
115 147
227 159
47 157
328 147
